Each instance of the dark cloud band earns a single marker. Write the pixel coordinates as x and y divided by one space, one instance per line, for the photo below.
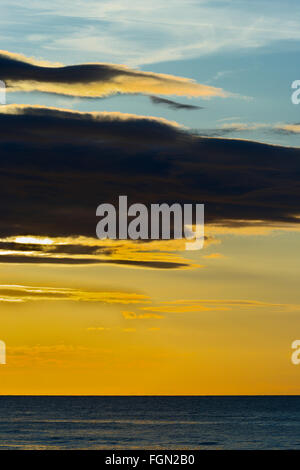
56 167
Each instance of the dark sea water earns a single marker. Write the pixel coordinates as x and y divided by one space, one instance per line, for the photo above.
149 422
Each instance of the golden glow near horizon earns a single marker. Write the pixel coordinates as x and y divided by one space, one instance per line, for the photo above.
224 328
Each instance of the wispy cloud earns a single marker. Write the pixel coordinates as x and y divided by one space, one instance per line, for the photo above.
288 128
141 33
173 104
240 127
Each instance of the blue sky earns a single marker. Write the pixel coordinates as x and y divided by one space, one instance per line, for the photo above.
249 48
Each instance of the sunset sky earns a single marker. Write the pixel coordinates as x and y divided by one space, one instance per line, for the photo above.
185 102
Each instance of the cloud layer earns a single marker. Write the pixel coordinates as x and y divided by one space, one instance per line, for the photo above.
58 166
86 251
94 80
233 127
18 293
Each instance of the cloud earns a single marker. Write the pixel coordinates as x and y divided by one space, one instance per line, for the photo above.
181 308
214 256
202 305
288 128
85 251
19 293
241 126
141 316
57 166
143 33
94 80
227 128
173 104
248 228
233 127
172 264
54 125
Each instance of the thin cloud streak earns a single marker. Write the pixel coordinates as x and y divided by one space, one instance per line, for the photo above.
173 104
20 293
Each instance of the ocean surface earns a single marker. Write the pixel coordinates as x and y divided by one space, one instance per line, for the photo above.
149 422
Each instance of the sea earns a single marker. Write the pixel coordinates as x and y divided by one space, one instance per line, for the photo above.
156 422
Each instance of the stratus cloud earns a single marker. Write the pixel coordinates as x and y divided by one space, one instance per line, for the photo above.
20 293
63 125
57 166
95 80
288 128
232 127
84 251
200 305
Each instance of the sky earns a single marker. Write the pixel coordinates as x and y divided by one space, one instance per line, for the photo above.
185 102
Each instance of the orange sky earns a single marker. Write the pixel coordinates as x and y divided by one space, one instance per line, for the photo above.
223 328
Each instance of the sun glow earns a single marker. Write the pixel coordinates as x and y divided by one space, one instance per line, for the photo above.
33 240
